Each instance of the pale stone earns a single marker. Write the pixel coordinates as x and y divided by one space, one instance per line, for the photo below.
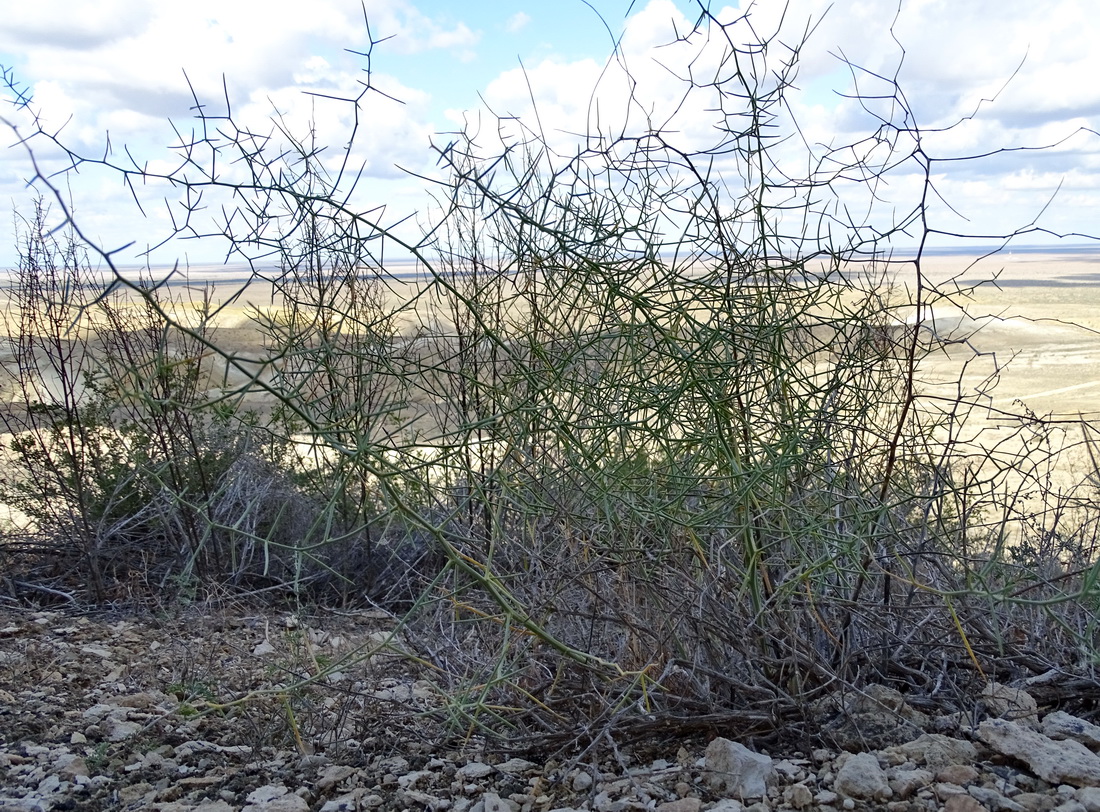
1058 762
798 796
514 766
1011 703
681 805
333 775
961 774
1089 797
963 803
1061 725
861 777
994 800
582 781
937 751
728 805
736 770
491 802
263 648
905 783
474 770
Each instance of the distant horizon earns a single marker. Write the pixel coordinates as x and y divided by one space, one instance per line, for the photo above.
241 272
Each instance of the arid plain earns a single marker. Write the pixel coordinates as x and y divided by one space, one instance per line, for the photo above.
1019 333
1030 319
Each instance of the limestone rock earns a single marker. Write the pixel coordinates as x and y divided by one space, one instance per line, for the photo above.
273 798
491 802
936 751
961 774
331 776
1089 797
582 781
963 803
474 770
871 719
992 799
681 805
345 803
737 771
515 766
798 796
70 765
728 805
1058 762
861 777
1061 725
905 783
1011 703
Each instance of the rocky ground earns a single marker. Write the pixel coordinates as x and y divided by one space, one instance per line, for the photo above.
226 711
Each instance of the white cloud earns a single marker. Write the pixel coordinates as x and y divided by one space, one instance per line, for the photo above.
118 65
955 55
517 22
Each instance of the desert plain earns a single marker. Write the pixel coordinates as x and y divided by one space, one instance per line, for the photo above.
1028 318
1018 334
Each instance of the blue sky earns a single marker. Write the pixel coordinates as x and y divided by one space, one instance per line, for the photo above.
117 66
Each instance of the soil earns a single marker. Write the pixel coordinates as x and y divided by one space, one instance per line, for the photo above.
220 710
124 712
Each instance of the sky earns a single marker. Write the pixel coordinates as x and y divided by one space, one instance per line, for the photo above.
1008 74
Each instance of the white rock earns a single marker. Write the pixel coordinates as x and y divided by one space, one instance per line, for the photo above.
1011 703
473 770
1061 725
331 776
991 799
118 730
905 783
514 766
70 765
1058 762
728 805
491 802
272 798
345 803
1089 797
1070 806
798 796
680 805
582 781
736 770
410 780
861 777
937 751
